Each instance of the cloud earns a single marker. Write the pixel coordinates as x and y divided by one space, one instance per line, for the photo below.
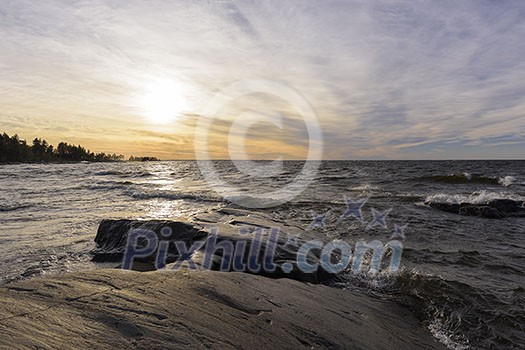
388 79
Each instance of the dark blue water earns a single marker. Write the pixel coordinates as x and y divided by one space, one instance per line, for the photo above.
464 276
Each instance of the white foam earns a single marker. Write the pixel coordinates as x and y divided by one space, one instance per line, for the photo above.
468 176
438 330
252 201
366 187
478 197
507 181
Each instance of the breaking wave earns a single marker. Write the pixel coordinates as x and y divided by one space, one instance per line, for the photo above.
467 178
173 196
459 315
478 197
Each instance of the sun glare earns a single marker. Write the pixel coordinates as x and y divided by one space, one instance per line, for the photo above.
163 102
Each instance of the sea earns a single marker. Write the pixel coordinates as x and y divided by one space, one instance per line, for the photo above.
463 276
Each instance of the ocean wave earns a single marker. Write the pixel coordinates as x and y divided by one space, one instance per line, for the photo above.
172 196
336 176
459 315
109 185
108 172
251 201
467 178
366 187
478 197
507 181
471 258
142 174
123 173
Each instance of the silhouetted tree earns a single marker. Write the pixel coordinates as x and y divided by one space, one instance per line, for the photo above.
143 159
12 149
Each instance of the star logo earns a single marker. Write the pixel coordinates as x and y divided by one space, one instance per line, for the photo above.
399 232
353 208
292 240
379 218
318 220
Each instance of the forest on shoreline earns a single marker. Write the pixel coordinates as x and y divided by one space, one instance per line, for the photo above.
16 150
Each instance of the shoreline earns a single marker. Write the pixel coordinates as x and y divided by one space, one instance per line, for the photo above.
208 309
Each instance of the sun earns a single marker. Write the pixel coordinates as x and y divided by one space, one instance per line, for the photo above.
163 101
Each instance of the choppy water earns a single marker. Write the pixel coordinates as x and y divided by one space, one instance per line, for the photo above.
463 275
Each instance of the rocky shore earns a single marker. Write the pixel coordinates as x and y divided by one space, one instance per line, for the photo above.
119 309
202 309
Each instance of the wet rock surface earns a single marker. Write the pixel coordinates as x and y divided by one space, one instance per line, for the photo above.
117 309
112 236
494 209
248 237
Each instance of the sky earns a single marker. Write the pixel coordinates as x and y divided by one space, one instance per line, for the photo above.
386 79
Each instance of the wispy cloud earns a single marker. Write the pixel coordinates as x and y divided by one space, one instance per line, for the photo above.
388 79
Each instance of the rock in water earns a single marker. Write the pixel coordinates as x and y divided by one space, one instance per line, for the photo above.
494 209
484 211
112 236
505 205
230 227
448 207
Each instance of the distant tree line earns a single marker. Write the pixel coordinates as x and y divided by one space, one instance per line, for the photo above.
13 149
143 159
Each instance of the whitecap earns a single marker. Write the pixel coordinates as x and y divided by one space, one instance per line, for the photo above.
507 181
478 197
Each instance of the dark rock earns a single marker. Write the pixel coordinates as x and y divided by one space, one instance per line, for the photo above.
505 205
484 211
256 236
112 237
518 214
494 209
448 207
285 253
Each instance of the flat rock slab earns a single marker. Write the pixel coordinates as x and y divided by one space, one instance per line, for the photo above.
119 309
